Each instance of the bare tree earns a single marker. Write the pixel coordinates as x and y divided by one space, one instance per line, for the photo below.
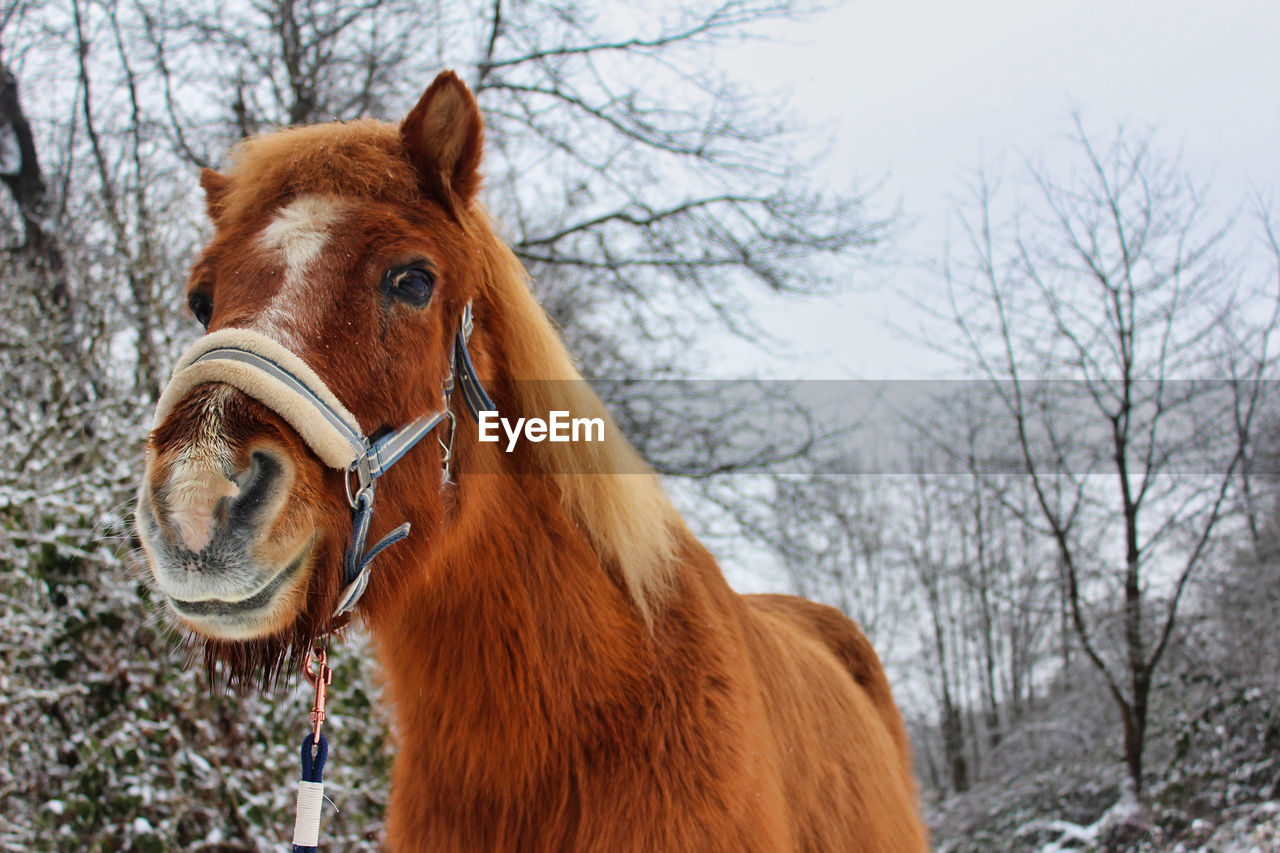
1114 280
642 188
978 589
39 250
928 550
831 534
647 193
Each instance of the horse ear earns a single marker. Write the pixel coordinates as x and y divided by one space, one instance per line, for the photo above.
443 136
215 186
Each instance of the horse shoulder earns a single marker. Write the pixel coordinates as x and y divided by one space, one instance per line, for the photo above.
840 733
844 639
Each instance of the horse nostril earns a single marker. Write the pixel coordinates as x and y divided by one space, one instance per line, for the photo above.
256 488
188 503
197 506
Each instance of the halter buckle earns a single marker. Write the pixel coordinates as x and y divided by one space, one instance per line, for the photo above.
446 446
364 477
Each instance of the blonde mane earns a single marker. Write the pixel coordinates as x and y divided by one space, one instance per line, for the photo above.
605 486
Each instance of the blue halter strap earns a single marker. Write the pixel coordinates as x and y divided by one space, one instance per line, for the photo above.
369 460
386 451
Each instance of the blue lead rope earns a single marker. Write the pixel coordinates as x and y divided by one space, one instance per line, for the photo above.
306 828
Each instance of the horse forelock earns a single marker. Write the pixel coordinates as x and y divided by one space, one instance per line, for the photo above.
357 159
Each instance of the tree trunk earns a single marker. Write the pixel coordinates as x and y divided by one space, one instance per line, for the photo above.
953 745
40 249
20 171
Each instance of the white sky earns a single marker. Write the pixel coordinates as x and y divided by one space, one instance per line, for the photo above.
921 93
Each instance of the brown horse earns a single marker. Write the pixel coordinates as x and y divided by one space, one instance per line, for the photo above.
568 668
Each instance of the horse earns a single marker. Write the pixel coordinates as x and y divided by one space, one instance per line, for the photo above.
568 668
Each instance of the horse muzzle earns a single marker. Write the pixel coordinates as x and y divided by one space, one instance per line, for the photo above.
213 537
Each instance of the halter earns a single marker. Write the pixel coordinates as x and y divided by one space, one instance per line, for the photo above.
279 378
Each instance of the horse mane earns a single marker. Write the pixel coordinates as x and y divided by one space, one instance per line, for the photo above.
605 487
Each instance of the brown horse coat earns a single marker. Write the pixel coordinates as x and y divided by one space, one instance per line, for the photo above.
567 666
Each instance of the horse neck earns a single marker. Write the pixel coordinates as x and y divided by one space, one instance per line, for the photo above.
523 615
507 630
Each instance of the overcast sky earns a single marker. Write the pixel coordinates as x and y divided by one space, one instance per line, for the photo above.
921 93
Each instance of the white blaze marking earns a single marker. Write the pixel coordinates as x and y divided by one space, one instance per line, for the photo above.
298 233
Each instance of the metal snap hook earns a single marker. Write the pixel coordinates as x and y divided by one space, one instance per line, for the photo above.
317 672
363 480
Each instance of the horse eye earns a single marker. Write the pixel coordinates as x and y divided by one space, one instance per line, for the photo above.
412 285
202 307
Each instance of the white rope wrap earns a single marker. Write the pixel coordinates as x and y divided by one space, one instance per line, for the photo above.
306 827
331 444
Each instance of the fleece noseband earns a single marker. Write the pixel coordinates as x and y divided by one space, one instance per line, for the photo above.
278 378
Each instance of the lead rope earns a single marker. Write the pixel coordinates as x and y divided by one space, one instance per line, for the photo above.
315 749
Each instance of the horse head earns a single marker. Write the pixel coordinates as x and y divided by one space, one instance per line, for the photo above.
351 251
